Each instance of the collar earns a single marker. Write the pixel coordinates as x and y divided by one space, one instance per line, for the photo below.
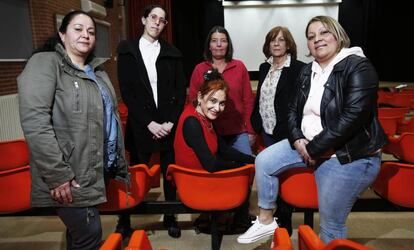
145 43
345 52
286 64
94 62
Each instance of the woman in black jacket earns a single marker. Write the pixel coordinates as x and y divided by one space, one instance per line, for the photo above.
276 89
333 126
152 84
276 86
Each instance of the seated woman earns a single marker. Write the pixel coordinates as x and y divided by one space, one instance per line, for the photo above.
196 143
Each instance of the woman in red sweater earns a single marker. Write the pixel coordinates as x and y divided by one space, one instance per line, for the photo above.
198 146
234 124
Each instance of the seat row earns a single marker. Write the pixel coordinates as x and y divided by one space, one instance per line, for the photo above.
307 240
197 189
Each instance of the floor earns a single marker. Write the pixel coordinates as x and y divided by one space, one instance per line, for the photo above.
379 230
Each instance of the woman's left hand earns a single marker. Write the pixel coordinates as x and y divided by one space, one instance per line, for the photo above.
300 146
252 139
63 193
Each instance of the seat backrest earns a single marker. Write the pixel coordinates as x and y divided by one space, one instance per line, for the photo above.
122 196
407 147
201 190
298 187
113 242
139 241
13 154
393 112
395 182
406 126
389 124
308 240
402 99
281 240
344 244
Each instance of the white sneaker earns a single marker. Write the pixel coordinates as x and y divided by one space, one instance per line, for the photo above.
257 231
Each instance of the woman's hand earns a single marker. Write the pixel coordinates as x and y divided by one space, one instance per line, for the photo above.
252 139
158 130
300 146
167 126
63 193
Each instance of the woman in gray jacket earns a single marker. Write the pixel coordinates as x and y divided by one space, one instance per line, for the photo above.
70 120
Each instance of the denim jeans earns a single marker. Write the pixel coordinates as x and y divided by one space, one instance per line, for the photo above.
83 227
239 142
339 186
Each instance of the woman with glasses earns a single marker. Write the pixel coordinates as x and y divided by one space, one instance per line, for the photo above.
333 128
153 87
275 90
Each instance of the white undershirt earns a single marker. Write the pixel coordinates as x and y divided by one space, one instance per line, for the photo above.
311 122
267 95
150 52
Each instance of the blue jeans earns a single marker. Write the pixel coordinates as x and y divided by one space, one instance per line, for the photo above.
239 142
339 186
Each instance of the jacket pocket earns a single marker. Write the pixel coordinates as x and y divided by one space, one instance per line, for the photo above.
76 97
67 150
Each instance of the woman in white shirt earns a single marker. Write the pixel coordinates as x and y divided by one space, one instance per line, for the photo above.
152 83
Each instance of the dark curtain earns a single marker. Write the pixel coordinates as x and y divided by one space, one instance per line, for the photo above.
381 28
135 12
191 28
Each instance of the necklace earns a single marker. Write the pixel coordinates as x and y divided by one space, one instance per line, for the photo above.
204 122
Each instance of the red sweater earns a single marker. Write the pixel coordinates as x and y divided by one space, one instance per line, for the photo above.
236 116
184 155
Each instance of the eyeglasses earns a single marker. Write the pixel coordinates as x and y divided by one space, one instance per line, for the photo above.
154 18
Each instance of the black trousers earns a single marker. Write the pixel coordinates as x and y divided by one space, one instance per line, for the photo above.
83 227
166 158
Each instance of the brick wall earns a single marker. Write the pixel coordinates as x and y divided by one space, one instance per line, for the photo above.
43 22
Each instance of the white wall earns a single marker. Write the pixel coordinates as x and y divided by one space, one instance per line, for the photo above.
249 21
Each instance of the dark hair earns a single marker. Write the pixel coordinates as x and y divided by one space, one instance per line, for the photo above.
147 10
207 53
52 41
213 81
69 17
290 42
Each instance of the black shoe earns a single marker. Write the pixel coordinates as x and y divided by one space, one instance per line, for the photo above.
241 224
171 223
285 223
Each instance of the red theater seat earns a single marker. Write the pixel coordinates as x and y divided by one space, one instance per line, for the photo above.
120 196
212 192
308 240
15 182
395 182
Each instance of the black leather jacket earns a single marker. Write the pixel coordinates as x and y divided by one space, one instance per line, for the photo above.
348 111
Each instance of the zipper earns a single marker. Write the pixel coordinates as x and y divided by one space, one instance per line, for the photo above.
76 97
348 154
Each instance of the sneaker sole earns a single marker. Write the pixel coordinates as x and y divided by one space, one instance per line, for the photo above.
251 240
